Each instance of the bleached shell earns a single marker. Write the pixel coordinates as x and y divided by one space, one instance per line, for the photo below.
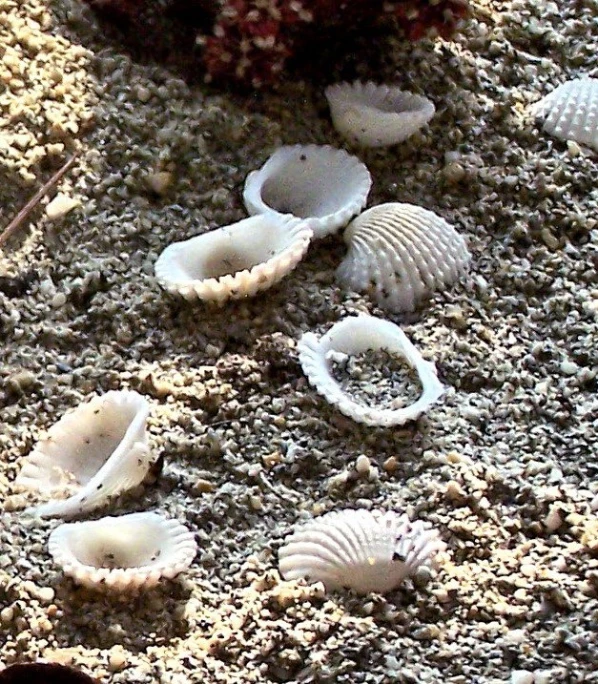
401 253
355 335
235 261
374 115
367 551
124 553
320 184
92 454
570 112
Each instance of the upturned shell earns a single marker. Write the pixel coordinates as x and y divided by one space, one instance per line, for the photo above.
235 261
91 455
367 551
125 553
401 253
570 112
355 335
320 184
376 115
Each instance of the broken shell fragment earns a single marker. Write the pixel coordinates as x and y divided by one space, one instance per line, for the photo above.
374 115
570 112
318 183
401 253
124 553
235 261
367 551
355 335
92 454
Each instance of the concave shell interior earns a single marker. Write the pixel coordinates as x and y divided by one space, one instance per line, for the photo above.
355 335
318 183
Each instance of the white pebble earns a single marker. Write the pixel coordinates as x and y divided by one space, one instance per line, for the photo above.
522 677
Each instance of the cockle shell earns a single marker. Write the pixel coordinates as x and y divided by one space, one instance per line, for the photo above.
235 261
401 253
570 112
92 454
124 553
367 551
376 115
320 184
355 335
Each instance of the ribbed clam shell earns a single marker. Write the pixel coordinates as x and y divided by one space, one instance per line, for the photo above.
124 553
374 115
92 454
367 551
570 112
320 184
355 335
401 253
235 261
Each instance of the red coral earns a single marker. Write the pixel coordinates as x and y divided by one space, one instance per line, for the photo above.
251 40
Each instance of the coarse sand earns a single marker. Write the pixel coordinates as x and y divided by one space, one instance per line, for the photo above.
504 466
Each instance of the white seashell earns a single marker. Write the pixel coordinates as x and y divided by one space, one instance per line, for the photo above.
92 454
570 112
376 115
235 261
355 335
402 252
320 184
367 551
128 552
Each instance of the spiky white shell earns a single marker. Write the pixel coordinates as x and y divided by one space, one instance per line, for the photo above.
401 253
235 261
92 454
570 112
374 115
124 553
367 551
355 335
318 183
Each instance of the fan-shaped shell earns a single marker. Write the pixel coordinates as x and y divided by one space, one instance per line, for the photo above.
401 253
320 184
124 553
235 261
367 551
376 115
355 335
92 454
43 673
570 112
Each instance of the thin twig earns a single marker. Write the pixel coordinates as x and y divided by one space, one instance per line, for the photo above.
14 225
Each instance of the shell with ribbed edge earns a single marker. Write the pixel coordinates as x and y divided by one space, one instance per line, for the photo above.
400 253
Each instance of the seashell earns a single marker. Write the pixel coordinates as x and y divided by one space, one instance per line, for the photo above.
43 673
367 551
570 112
402 253
124 553
376 115
92 454
235 261
355 335
318 183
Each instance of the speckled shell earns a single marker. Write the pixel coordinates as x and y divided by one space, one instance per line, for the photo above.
401 253
235 261
367 551
570 112
355 335
320 184
92 454
373 115
125 553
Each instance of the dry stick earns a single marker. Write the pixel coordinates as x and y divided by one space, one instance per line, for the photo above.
13 226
